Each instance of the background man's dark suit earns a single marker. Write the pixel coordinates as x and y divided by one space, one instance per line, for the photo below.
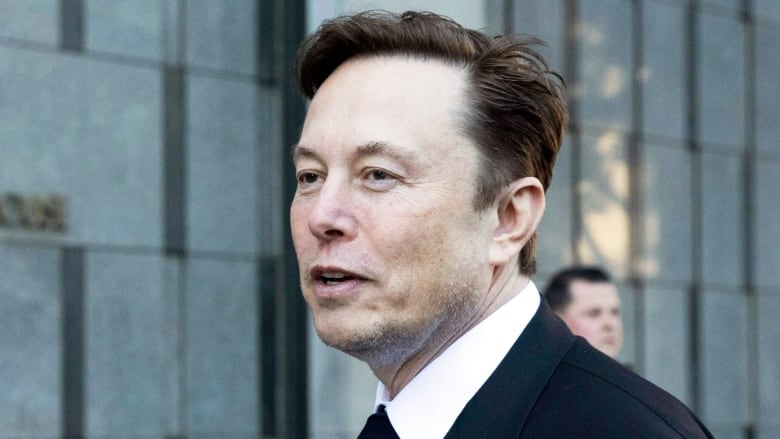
554 385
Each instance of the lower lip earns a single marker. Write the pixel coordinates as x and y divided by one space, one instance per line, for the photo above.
337 290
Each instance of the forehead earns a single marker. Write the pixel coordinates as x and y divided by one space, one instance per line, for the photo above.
383 76
593 293
390 99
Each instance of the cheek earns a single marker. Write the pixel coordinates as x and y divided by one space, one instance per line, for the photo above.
299 225
416 257
433 260
597 327
424 247
304 243
585 327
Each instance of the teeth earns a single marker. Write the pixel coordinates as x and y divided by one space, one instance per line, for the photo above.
333 277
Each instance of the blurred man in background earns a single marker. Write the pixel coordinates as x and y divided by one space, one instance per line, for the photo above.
587 300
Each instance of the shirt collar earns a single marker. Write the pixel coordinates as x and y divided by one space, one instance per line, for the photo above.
454 377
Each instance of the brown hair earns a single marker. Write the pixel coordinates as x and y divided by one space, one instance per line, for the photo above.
517 114
558 293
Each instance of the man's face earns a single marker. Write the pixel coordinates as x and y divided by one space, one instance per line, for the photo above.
594 313
392 254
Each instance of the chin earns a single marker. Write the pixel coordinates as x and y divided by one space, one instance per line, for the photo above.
364 347
333 331
378 346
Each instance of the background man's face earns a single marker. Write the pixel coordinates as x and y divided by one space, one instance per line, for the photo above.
391 252
594 313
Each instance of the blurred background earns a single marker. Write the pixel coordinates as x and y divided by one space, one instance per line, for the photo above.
148 288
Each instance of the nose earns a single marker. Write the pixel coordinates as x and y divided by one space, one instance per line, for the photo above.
332 216
611 322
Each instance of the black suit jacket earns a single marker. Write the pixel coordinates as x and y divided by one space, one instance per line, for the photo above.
552 384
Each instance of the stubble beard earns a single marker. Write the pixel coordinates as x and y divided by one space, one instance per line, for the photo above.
389 344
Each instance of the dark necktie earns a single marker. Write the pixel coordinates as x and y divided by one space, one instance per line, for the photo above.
378 426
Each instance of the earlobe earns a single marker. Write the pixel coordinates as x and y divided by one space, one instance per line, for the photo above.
520 208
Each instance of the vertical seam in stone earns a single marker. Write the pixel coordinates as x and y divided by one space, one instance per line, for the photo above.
73 363
266 71
174 156
72 25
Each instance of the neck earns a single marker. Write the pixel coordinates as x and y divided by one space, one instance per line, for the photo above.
395 377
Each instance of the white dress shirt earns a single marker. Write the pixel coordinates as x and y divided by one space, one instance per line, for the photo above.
429 404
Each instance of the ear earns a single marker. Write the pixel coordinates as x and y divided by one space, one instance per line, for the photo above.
520 207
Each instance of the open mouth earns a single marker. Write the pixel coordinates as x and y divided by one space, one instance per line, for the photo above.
334 278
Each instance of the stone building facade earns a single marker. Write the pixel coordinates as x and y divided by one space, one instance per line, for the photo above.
147 284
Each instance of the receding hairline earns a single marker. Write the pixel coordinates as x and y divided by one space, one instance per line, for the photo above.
463 67
375 32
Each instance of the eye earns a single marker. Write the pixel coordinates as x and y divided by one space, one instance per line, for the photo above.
593 313
379 179
308 180
378 174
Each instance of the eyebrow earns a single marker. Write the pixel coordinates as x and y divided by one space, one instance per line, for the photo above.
300 151
387 149
367 149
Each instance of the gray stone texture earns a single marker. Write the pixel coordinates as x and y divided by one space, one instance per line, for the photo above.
605 79
173 38
720 86
731 5
30 20
765 223
722 219
767 432
662 74
767 9
129 28
666 199
171 343
30 342
628 311
724 366
221 348
222 163
272 158
129 352
221 35
767 92
667 340
89 130
342 391
768 310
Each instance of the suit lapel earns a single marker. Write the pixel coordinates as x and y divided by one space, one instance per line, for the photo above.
501 406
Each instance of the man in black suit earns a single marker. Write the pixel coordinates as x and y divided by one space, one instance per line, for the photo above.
422 168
